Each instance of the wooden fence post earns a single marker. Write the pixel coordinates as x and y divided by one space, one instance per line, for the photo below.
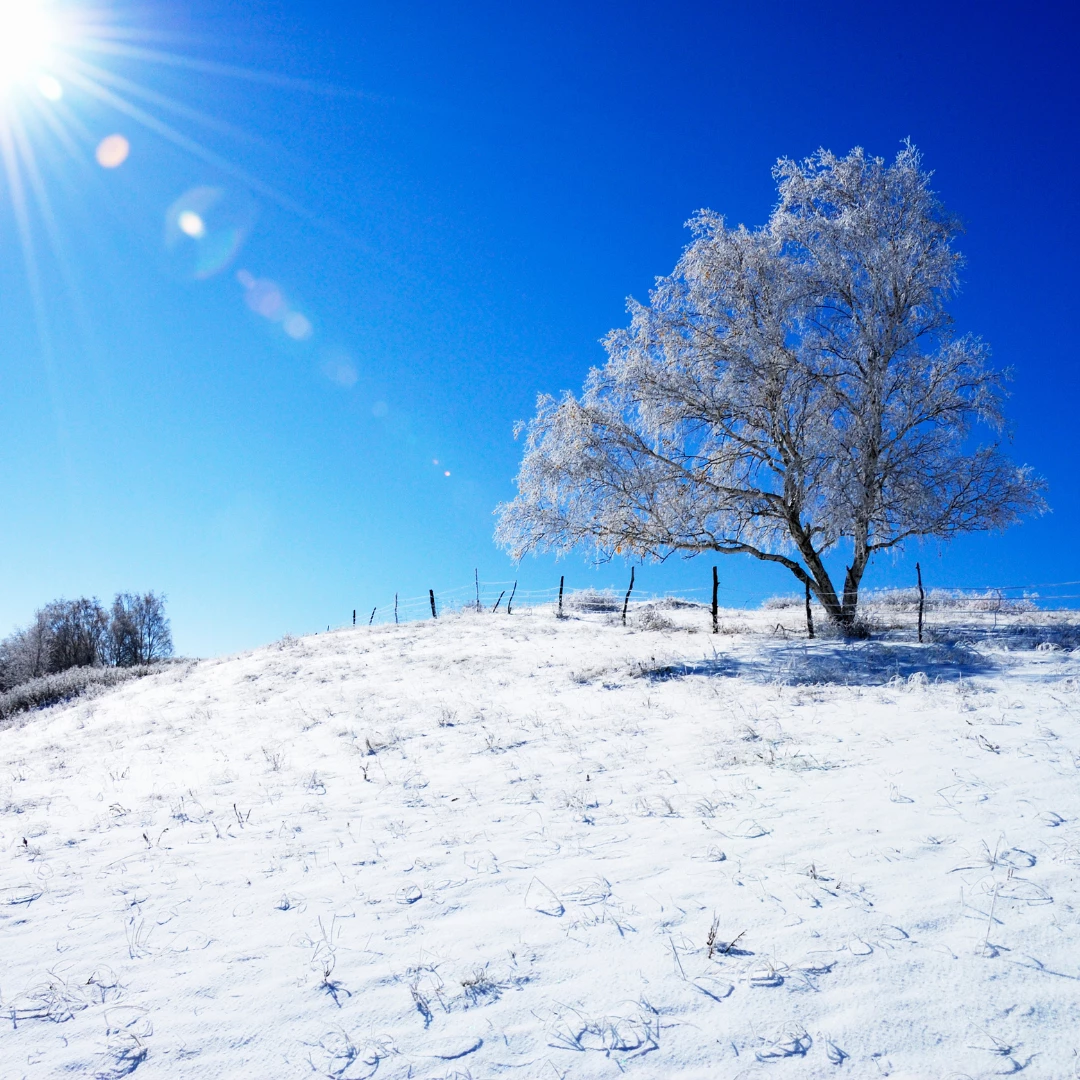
372 619
498 602
354 616
715 587
431 596
510 602
476 578
922 598
809 613
626 602
395 609
561 580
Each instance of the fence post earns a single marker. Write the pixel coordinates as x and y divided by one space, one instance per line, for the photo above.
715 587
431 596
922 598
498 602
354 616
561 580
372 619
476 578
809 613
626 602
510 602
395 609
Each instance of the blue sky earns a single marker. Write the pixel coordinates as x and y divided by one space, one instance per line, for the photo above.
448 205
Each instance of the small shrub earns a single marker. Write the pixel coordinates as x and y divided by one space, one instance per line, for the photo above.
860 630
65 685
651 619
676 603
67 634
592 600
988 601
782 603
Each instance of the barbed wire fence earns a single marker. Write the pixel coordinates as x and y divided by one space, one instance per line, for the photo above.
506 596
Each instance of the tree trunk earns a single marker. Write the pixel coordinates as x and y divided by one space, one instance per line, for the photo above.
816 576
852 581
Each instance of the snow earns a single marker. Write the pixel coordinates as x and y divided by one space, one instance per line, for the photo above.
492 845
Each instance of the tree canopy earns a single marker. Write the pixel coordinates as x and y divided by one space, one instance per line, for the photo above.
786 390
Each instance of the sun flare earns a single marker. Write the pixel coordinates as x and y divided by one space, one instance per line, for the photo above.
28 34
77 88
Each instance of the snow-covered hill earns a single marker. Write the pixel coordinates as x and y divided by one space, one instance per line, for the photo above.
524 846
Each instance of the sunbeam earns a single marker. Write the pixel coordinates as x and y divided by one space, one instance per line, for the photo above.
57 95
78 88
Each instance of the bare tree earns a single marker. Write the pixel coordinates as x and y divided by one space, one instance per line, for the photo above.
139 631
64 634
785 391
23 655
76 633
79 633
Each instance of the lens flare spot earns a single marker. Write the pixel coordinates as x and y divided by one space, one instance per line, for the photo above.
113 151
191 224
49 87
341 370
205 229
297 326
266 299
447 473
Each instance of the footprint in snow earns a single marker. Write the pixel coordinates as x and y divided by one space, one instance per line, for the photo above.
129 1019
714 854
123 1056
792 1042
1017 858
749 830
189 941
590 891
816 967
764 977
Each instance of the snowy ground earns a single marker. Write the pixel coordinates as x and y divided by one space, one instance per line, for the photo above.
521 846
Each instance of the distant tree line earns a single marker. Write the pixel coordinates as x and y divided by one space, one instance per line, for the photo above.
81 633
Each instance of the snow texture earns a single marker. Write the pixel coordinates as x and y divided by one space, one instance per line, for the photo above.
490 846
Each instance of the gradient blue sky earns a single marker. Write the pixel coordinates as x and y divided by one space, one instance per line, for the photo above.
460 221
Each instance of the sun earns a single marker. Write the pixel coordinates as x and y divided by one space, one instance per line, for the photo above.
27 36
72 93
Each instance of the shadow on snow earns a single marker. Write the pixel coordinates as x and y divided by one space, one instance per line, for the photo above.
864 663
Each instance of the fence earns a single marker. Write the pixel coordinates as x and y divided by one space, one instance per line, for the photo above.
506 595
501 595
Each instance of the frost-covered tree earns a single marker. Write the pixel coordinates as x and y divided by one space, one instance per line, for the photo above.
139 630
64 634
75 630
80 633
786 390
